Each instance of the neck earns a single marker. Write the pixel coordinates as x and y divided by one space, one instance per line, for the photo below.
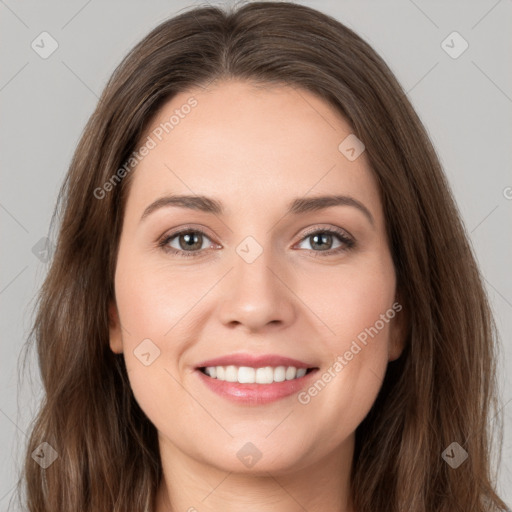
189 485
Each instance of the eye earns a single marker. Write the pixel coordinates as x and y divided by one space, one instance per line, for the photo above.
189 241
324 238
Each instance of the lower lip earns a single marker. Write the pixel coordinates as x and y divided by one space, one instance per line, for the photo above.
256 394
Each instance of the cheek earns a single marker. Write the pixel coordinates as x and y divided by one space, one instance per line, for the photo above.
154 301
349 302
152 308
356 307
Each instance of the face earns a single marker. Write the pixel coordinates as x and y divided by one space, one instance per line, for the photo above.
258 283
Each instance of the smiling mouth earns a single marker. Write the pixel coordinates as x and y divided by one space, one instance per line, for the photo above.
249 375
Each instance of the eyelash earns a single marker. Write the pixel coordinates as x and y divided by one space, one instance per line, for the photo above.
349 242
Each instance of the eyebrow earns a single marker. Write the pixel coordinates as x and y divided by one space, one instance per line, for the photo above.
297 206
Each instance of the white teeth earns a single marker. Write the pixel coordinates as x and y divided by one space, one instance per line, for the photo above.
291 372
280 374
265 375
231 374
248 375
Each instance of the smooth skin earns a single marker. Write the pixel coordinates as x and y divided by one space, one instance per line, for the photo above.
255 149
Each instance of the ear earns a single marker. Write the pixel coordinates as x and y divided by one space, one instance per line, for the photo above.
115 338
399 330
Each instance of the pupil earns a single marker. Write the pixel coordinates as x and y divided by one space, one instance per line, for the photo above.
190 240
321 237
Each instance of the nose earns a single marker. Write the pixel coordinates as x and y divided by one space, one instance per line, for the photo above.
258 294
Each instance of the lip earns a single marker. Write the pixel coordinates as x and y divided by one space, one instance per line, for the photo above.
254 361
255 394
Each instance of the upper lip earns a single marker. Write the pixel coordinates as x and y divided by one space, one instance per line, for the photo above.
254 361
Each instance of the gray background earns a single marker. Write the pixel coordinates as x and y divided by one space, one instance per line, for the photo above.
465 104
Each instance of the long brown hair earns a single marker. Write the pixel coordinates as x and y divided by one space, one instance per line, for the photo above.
441 390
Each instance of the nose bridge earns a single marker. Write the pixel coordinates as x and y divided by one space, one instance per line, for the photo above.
253 264
255 295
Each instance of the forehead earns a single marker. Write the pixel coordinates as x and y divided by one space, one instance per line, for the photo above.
249 145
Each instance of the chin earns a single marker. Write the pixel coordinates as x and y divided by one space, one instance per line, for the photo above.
259 458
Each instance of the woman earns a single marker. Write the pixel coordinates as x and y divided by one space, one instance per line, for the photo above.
195 354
